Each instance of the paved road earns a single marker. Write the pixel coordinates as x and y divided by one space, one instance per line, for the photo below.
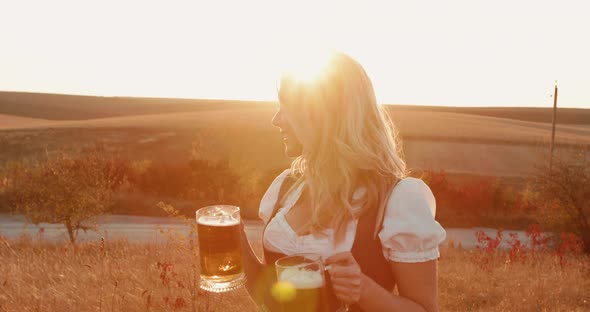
146 229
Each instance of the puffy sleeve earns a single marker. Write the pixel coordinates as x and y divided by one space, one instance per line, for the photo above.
267 203
410 233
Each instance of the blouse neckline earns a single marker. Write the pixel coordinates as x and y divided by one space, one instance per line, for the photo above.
289 203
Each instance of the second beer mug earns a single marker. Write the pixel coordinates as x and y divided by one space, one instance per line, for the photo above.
220 251
303 274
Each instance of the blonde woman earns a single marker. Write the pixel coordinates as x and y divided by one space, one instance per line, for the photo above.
347 197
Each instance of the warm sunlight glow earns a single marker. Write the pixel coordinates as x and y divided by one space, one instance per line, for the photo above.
308 65
442 53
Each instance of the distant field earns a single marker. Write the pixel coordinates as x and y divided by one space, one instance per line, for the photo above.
433 139
411 124
535 114
74 107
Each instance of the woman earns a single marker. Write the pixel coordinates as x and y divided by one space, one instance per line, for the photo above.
347 196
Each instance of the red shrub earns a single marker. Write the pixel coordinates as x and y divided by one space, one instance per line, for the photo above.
538 239
488 246
517 249
486 243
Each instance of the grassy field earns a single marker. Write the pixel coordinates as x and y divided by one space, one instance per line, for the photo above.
411 124
467 143
460 143
122 276
506 142
37 275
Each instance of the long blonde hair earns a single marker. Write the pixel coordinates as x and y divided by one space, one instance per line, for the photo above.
349 141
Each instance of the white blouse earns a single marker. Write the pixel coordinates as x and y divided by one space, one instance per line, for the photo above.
409 232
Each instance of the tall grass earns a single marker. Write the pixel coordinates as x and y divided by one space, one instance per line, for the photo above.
541 283
124 276
109 276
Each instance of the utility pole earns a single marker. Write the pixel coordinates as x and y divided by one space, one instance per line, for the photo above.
553 130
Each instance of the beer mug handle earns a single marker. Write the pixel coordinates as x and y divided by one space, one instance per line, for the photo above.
344 307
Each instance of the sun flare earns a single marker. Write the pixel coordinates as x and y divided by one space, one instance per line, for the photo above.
308 65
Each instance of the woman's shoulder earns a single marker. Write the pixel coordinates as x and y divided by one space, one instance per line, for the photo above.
410 191
271 195
410 183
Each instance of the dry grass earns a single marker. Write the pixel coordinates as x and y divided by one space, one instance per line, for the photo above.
121 276
537 283
125 276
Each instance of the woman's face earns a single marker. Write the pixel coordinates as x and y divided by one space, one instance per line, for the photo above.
282 120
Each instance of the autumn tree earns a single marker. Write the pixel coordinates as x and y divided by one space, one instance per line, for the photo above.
66 189
564 194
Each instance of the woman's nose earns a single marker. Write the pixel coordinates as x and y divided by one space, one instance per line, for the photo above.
277 119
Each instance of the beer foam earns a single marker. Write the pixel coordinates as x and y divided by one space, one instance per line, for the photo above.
216 221
302 278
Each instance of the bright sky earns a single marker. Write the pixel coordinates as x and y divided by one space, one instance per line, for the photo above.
458 53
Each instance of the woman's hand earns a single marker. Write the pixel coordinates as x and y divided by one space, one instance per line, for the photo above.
346 276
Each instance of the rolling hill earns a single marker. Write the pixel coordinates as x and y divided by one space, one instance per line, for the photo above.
412 124
579 116
459 143
475 141
17 122
77 107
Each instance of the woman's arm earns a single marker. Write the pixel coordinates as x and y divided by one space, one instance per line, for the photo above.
416 283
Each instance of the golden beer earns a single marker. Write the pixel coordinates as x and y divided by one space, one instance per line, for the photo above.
305 274
220 254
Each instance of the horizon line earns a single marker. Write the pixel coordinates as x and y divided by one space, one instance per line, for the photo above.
269 101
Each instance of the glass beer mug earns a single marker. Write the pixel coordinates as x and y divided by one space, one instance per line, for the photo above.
220 253
302 276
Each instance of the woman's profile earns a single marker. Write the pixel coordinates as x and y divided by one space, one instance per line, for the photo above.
347 197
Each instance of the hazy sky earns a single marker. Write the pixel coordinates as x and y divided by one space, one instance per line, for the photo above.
460 53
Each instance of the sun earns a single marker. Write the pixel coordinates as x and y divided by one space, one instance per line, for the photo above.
308 65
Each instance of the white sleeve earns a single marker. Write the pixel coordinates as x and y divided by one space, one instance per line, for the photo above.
269 199
409 232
